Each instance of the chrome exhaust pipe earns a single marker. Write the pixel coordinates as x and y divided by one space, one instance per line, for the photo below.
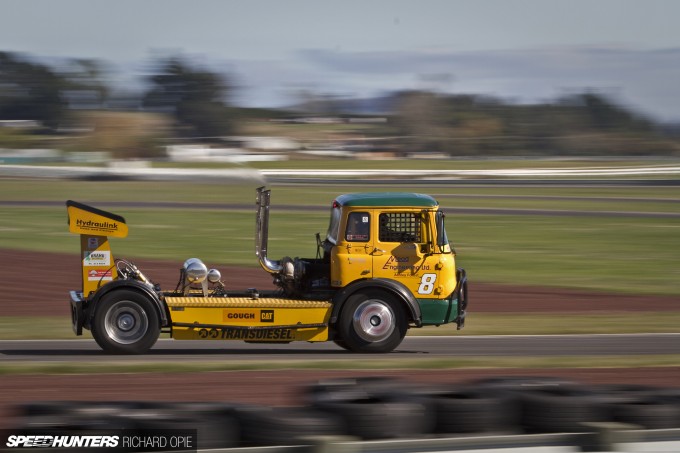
262 232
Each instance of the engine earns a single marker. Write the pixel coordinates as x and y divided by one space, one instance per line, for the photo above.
300 277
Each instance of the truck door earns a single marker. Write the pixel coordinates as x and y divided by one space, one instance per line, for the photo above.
352 259
400 252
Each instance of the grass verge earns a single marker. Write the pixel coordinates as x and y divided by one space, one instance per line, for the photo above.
378 364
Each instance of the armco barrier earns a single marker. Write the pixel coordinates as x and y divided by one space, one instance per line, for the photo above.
137 170
132 173
391 416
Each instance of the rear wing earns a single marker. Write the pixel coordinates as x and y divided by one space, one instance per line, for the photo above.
95 227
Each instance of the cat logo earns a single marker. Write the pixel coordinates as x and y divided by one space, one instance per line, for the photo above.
266 315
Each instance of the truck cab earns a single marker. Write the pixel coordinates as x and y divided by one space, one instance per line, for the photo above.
386 263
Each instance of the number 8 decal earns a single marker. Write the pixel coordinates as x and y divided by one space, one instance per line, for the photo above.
427 283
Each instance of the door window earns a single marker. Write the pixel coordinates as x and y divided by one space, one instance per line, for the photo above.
358 227
400 227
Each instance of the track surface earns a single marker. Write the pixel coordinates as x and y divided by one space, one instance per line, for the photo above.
412 348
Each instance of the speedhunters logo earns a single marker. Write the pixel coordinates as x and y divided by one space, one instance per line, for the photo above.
111 440
42 441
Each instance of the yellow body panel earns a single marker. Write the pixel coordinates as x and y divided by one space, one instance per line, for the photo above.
426 275
98 267
94 227
94 222
243 318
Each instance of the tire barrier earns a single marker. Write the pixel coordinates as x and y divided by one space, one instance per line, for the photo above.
380 408
265 426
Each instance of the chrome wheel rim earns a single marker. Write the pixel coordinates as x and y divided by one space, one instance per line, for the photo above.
126 322
373 320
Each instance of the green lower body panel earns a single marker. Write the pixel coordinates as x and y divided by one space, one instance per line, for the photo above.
438 311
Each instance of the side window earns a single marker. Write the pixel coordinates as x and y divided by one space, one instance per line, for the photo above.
400 227
358 227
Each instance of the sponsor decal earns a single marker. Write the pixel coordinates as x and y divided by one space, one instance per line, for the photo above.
400 264
226 333
239 316
93 243
266 315
97 226
97 258
95 275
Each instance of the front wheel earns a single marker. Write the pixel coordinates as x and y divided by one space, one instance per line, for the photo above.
125 322
372 321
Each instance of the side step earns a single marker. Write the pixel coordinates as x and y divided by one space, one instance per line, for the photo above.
243 302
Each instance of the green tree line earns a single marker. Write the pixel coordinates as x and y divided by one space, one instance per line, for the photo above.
584 124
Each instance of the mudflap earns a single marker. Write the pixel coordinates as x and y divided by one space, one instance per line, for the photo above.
77 312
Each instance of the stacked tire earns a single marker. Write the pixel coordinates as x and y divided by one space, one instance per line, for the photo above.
373 408
379 408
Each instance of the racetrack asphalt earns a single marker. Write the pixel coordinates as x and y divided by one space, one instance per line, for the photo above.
412 348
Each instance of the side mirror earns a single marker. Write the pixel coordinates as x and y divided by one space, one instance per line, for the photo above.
441 231
442 238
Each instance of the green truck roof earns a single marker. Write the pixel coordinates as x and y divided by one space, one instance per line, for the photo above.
387 199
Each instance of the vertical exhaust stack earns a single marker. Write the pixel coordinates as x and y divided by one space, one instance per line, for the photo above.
262 232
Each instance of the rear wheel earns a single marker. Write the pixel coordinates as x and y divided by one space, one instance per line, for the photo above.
126 322
372 321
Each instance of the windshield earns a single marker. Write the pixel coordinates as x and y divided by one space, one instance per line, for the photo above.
334 227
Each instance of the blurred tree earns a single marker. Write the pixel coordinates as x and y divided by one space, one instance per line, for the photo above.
599 113
425 118
87 87
30 91
196 98
583 124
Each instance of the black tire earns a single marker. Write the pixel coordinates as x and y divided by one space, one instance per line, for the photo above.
372 321
562 409
520 383
373 406
473 411
352 388
125 322
650 412
379 417
644 406
268 426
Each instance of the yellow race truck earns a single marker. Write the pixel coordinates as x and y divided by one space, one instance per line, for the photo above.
384 265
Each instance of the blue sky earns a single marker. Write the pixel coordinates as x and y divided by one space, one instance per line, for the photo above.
525 50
